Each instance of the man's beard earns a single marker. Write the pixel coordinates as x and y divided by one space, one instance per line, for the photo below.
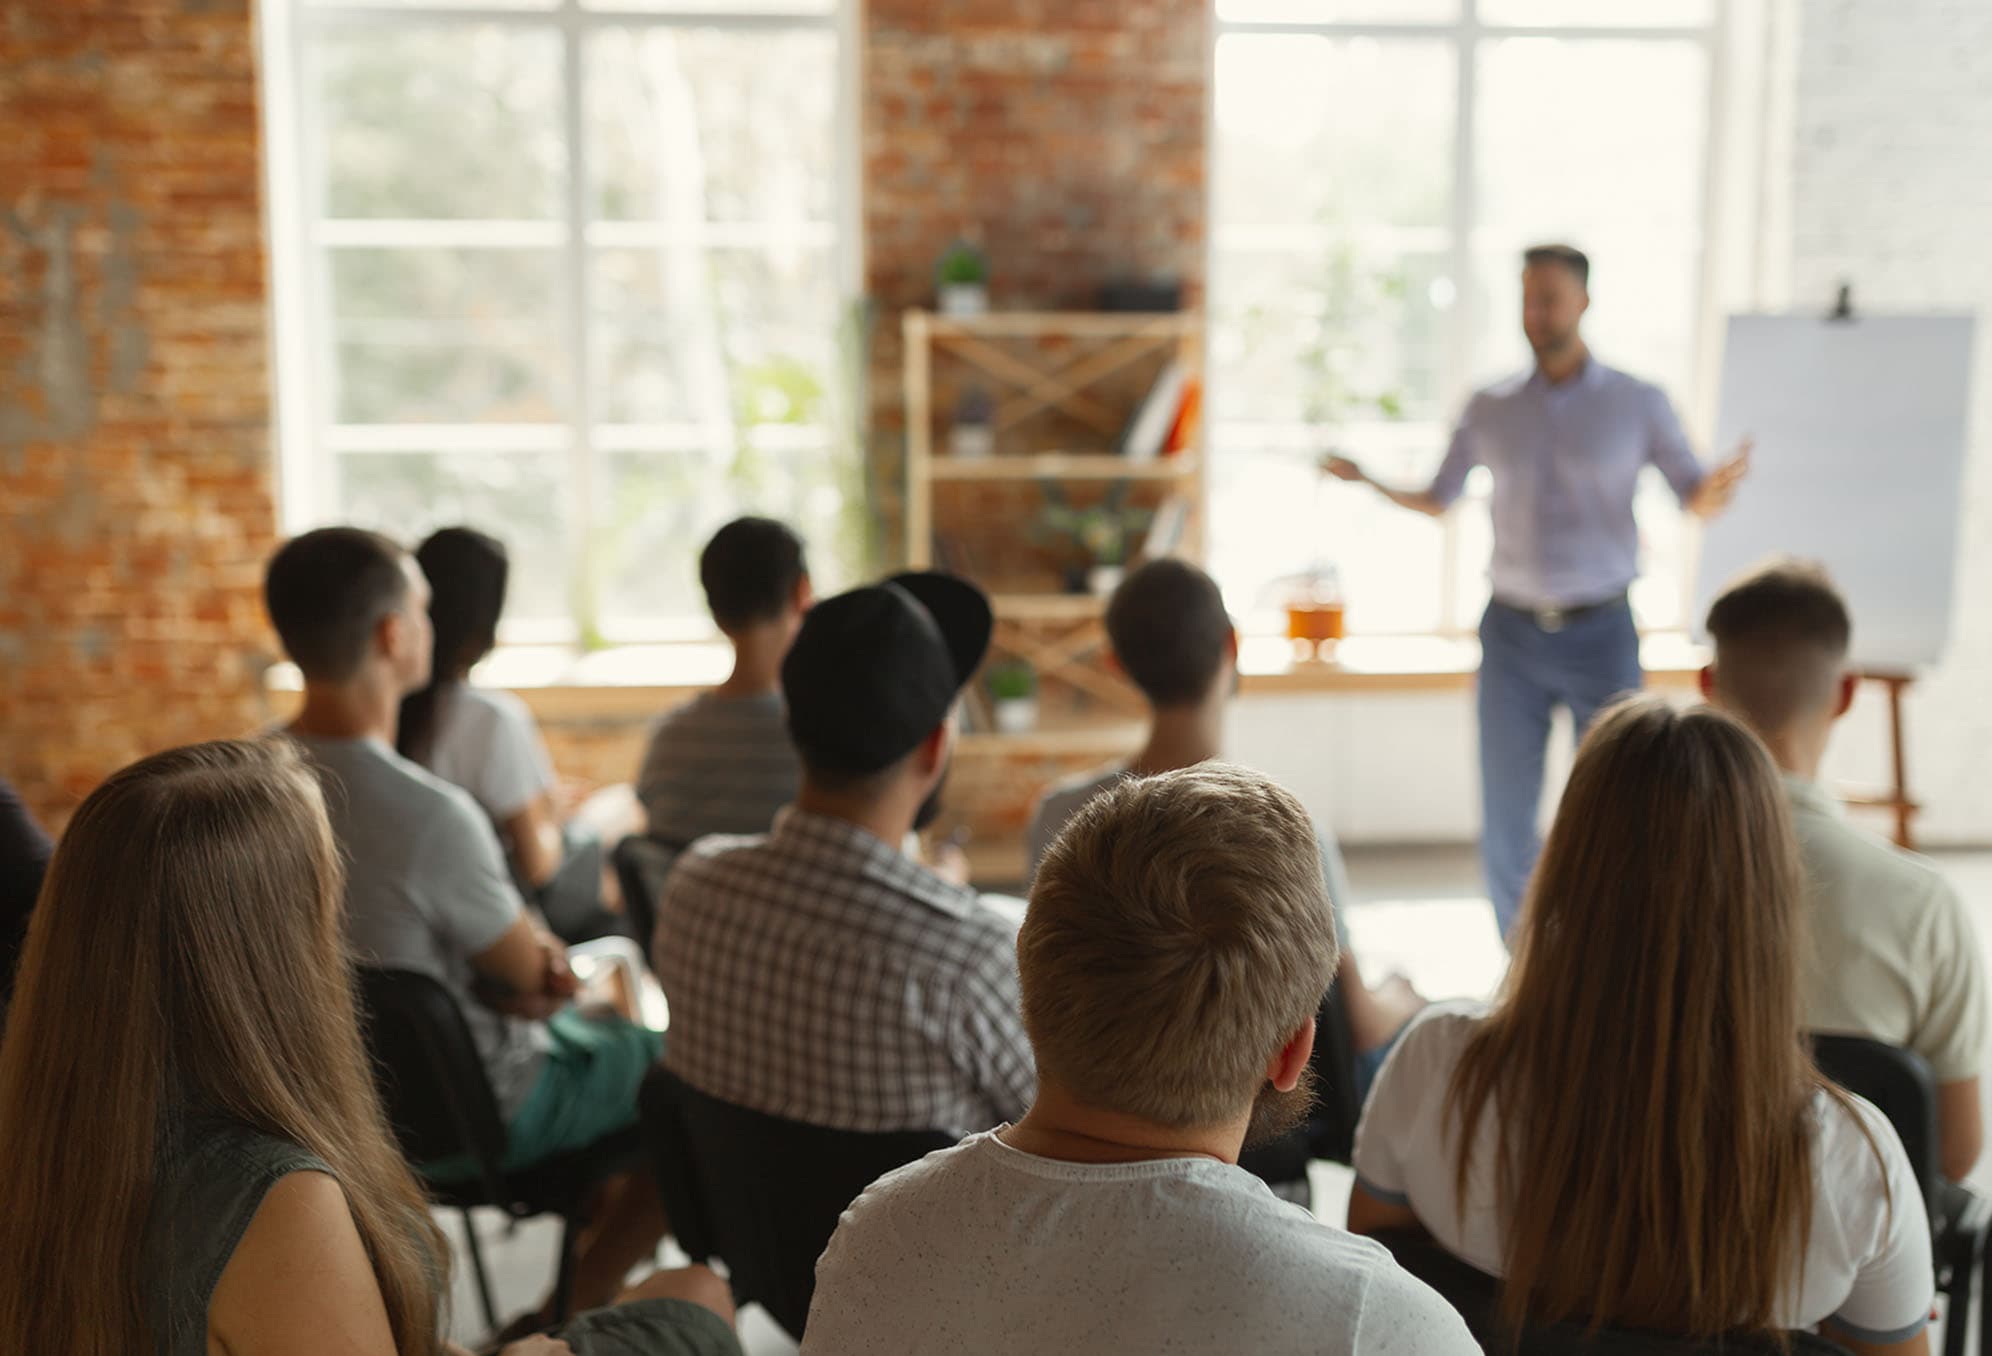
930 808
1276 1114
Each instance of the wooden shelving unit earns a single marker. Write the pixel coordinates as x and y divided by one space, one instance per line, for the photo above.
1063 386
1112 342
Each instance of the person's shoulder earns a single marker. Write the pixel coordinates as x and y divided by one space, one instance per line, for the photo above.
907 1191
1445 1025
1498 391
1063 799
491 707
1848 855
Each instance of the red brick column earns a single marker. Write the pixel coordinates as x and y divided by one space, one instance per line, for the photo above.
1066 137
135 495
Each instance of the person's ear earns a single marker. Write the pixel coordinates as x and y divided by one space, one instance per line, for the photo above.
804 596
1285 1069
1231 646
1114 666
932 755
390 636
1843 700
1706 678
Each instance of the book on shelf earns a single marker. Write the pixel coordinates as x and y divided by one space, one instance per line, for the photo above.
1149 429
1183 433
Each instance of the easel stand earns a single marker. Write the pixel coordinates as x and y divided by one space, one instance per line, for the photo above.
1896 798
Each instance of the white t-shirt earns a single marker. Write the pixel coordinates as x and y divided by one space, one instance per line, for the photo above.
486 742
1867 1266
983 1248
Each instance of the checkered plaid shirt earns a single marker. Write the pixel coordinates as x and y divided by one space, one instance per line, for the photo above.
820 974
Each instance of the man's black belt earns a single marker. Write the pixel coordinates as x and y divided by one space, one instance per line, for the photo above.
1553 619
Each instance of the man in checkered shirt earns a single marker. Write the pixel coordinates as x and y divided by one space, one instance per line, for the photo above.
817 972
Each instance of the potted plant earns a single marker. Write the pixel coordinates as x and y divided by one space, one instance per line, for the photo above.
1105 532
962 280
973 432
1013 700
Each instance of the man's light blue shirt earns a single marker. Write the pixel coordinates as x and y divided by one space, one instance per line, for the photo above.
1566 459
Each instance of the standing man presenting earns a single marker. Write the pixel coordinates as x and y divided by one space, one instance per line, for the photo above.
1566 444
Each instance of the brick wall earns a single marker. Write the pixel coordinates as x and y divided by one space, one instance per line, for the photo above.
134 419
1066 137
1891 148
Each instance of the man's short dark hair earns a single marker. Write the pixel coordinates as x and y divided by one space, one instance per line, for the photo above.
750 570
1169 630
1564 256
1781 636
326 592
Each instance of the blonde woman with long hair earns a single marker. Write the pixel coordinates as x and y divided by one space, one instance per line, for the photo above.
193 1159
1634 1134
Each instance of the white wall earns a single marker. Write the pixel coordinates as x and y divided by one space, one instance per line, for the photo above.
1891 190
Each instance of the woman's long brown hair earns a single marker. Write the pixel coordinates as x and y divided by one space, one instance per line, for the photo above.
1645 1063
186 954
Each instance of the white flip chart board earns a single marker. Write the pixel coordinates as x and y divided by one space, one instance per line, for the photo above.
1860 432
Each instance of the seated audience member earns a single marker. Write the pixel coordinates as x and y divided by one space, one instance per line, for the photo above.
486 742
24 853
1634 1133
427 888
1894 956
1171 636
722 762
817 972
192 1155
1177 942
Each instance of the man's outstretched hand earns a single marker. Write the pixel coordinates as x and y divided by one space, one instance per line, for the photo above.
1342 469
1720 486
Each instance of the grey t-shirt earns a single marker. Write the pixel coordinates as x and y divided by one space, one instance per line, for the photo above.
984 1250
1063 801
426 889
718 765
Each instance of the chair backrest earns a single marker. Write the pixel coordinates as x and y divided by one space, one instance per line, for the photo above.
1476 1296
432 1082
762 1192
643 863
1901 1087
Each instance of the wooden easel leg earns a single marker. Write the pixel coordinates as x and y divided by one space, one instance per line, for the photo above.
1905 809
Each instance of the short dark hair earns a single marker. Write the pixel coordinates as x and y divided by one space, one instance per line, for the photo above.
1565 256
327 590
1168 627
1781 637
750 569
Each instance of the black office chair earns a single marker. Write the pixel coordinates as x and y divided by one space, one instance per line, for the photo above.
1330 1129
439 1100
1902 1087
643 863
762 1192
1477 1297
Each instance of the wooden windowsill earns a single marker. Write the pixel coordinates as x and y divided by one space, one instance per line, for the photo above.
642 681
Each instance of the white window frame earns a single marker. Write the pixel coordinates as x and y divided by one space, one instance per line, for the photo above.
1465 34
299 230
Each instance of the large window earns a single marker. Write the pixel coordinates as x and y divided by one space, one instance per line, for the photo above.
572 271
1379 165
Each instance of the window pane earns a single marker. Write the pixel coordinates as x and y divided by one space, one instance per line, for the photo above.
1600 13
1347 132
1336 11
454 336
658 508
1323 332
1624 183
517 497
714 338
700 125
454 121
1330 299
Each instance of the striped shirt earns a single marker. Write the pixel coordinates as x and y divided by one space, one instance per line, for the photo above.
820 974
718 765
